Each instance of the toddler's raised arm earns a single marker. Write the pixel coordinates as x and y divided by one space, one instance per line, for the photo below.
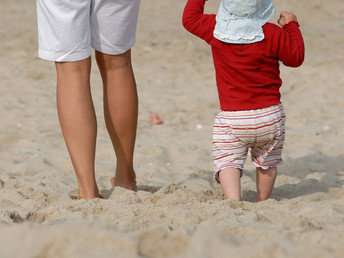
291 48
199 24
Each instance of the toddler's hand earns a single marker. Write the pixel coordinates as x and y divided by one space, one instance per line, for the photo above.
286 17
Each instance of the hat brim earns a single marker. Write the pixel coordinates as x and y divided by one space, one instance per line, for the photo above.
235 30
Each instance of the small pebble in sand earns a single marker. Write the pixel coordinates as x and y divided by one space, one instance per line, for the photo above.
155 120
326 128
199 127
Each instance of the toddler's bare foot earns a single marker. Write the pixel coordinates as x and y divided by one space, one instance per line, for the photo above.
125 180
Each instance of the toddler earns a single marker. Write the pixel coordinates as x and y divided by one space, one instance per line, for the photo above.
246 51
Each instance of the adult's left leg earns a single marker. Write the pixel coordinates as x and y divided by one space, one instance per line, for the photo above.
78 121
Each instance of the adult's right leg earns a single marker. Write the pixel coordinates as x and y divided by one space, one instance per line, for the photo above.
78 121
120 110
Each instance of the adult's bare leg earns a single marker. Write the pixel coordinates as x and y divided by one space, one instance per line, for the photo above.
78 121
120 111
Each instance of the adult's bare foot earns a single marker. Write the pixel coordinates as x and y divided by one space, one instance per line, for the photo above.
90 197
127 181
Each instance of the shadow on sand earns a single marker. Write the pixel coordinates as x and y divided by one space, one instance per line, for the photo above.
317 174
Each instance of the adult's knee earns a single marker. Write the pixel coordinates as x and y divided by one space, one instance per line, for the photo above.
78 67
114 62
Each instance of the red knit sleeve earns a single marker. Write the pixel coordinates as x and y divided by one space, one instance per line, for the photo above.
199 24
291 48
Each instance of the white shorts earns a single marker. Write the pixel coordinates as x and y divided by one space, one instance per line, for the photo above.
261 130
69 29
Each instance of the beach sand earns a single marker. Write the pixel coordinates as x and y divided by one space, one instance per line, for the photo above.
178 210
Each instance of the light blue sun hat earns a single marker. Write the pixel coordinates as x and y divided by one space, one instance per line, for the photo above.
241 21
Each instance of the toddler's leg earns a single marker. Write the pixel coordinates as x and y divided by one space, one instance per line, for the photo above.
230 183
265 180
78 121
120 110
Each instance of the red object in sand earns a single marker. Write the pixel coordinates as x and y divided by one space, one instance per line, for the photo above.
155 120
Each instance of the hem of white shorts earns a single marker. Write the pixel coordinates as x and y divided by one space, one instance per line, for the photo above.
112 50
267 167
217 171
47 55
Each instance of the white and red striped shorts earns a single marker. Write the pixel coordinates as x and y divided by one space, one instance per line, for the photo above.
261 130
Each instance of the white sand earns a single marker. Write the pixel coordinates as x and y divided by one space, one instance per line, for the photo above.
178 210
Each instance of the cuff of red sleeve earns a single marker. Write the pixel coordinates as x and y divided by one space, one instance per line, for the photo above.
291 24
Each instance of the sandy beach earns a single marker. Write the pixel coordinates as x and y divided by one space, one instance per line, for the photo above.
178 211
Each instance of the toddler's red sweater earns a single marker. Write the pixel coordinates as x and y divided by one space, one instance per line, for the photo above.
247 75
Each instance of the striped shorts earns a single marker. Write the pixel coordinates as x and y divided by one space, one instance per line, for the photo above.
235 132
